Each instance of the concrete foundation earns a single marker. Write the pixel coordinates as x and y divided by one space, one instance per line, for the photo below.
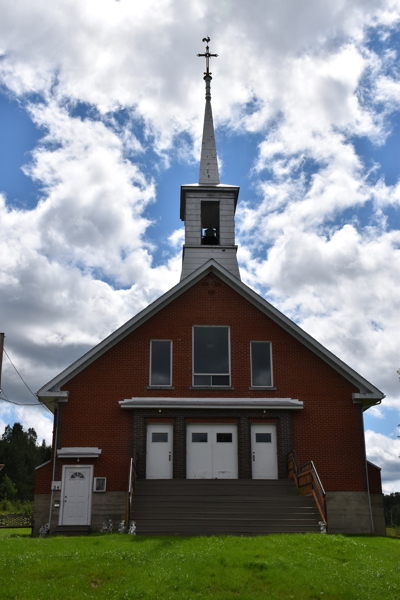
349 513
105 506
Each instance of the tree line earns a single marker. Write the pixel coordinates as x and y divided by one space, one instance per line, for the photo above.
20 453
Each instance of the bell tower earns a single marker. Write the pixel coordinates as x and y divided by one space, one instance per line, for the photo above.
208 207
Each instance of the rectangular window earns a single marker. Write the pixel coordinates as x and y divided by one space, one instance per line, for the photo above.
100 484
161 362
224 438
159 436
261 364
211 356
263 438
200 437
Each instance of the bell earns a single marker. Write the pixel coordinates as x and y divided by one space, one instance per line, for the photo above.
210 237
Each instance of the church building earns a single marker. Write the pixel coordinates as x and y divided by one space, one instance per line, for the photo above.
209 412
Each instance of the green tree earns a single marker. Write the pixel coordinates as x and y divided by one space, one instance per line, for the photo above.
391 504
8 489
20 453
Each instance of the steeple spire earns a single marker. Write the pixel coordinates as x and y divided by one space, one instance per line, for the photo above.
209 174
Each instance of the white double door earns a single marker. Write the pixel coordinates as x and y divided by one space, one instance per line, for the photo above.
264 456
212 451
76 495
159 459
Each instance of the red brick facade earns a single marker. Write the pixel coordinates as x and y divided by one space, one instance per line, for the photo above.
328 430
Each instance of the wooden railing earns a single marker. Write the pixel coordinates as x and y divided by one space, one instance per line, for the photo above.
132 483
308 481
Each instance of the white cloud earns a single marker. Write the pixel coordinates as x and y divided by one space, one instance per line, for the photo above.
28 417
300 74
385 452
177 238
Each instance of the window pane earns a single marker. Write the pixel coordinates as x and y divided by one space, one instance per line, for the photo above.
220 379
211 354
261 364
263 437
202 380
199 437
100 484
160 363
159 437
224 437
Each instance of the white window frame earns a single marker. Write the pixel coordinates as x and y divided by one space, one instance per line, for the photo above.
156 385
211 374
95 482
261 387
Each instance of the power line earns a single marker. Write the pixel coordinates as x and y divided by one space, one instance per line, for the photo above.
17 413
42 404
23 380
33 394
12 403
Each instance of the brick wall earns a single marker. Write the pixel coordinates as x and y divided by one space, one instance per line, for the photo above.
374 478
328 430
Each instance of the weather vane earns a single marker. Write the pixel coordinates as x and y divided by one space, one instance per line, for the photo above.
207 56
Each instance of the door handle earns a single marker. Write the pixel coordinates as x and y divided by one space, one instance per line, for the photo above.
254 456
170 456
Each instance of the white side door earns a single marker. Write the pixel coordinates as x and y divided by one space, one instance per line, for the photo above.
225 452
159 460
76 495
211 452
199 456
264 457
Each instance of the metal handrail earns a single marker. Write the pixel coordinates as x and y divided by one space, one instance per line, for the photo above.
132 482
313 487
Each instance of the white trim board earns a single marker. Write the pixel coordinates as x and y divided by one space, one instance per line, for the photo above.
79 452
369 391
239 403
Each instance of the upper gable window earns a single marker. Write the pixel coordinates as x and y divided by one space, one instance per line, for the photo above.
261 364
211 356
161 362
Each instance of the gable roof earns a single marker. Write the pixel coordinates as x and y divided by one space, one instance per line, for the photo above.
368 395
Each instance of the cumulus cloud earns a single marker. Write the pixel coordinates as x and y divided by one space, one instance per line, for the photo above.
315 237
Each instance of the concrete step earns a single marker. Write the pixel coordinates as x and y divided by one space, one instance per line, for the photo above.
72 530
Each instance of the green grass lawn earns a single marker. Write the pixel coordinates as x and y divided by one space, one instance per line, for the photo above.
115 566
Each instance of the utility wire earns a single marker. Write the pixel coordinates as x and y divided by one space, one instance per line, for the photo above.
12 403
23 380
27 403
17 413
33 394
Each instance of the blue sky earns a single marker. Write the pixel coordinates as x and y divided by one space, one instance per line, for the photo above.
101 110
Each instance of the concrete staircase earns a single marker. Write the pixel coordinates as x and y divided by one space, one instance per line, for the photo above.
222 507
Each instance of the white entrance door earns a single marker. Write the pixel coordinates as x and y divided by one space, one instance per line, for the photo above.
159 451
76 495
264 452
212 452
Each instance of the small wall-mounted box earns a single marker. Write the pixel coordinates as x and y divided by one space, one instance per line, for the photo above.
100 484
56 486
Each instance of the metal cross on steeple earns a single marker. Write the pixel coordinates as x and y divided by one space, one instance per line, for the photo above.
207 75
207 57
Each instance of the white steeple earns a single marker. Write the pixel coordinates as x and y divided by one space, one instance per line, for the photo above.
208 162
208 207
